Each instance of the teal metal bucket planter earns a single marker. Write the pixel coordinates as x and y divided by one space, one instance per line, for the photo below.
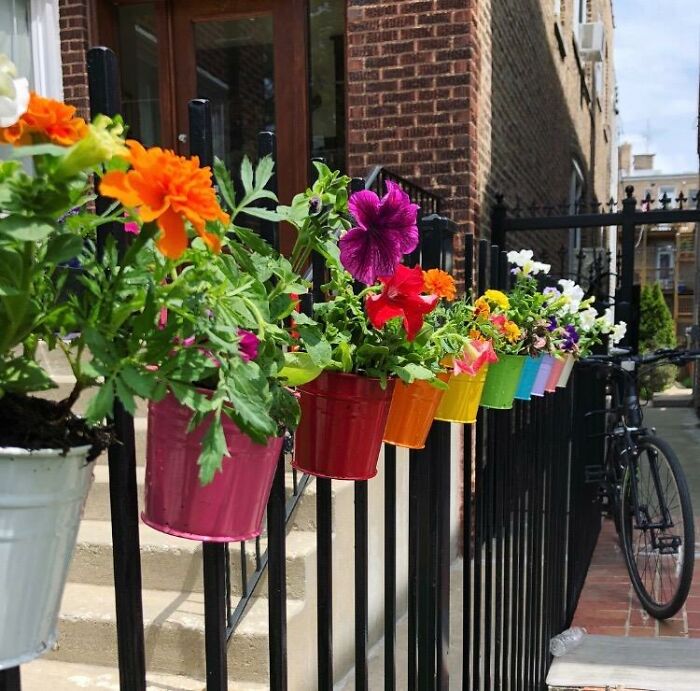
527 378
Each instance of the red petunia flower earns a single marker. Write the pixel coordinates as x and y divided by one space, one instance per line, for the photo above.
401 297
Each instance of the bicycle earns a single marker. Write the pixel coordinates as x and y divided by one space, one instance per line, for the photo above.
646 488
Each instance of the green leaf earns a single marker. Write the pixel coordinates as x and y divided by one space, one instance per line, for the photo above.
223 180
247 175
214 448
101 405
61 248
252 240
299 369
25 229
411 371
38 150
125 396
23 376
141 384
316 346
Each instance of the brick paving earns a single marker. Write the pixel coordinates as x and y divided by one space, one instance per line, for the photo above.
608 604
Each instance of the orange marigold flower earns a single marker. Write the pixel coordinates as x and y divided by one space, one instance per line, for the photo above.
44 121
166 188
481 308
476 335
440 283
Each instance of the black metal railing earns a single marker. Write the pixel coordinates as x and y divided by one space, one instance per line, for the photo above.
429 202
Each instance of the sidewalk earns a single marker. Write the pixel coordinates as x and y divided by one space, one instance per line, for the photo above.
608 604
669 658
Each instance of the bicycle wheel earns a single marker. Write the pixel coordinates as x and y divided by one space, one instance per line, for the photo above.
659 553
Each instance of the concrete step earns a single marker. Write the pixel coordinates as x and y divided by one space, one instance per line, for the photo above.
97 507
174 630
45 674
175 564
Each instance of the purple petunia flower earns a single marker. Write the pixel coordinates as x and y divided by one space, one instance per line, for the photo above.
552 324
571 338
386 230
248 345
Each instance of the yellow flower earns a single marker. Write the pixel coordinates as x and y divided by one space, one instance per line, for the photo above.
512 331
482 309
497 298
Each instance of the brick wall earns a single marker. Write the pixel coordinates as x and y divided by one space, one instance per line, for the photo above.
412 86
74 24
535 114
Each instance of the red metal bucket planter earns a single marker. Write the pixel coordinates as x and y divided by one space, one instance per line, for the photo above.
343 417
231 508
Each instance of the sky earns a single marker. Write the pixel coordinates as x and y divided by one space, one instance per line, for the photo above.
657 52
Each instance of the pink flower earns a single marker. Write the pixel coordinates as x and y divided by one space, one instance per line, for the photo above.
386 230
132 227
475 355
248 345
499 321
540 342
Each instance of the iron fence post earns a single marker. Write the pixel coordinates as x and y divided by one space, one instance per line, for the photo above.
276 508
10 679
623 303
215 576
103 83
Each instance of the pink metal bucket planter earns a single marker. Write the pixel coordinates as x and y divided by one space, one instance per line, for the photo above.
231 508
542 376
554 374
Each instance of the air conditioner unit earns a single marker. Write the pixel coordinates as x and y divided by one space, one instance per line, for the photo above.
591 41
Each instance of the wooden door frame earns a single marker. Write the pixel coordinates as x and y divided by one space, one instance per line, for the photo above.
291 65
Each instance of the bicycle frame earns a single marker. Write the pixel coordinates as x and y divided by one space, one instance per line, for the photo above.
624 430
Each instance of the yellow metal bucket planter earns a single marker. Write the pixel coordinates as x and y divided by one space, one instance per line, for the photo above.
461 400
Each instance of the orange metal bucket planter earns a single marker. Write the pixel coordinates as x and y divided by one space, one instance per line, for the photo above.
412 412
461 400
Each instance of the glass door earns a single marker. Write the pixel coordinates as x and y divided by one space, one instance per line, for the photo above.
248 57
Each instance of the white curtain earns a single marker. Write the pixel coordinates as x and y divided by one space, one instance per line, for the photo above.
15 35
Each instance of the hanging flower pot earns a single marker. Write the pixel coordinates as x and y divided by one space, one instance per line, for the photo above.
412 413
554 374
460 403
542 375
231 508
502 382
343 418
527 378
566 371
42 494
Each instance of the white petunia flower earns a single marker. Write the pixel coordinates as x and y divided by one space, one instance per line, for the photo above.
588 318
574 295
14 93
526 266
618 332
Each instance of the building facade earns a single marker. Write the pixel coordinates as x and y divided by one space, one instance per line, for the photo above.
664 254
467 98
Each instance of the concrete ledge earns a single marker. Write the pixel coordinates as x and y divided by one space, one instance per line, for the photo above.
650 664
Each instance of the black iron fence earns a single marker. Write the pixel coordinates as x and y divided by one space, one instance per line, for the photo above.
530 521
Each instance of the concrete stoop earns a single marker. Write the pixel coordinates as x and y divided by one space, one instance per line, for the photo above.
86 655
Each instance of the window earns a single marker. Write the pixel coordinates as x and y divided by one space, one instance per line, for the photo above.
576 193
29 34
665 267
692 198
579 15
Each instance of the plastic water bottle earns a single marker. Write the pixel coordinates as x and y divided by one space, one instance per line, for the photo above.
566 641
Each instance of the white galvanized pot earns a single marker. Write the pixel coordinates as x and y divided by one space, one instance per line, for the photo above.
566 372
42 494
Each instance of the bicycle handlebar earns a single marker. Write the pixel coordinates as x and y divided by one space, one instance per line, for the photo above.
673 355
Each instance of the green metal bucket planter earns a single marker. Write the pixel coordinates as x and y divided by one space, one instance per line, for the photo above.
502 382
